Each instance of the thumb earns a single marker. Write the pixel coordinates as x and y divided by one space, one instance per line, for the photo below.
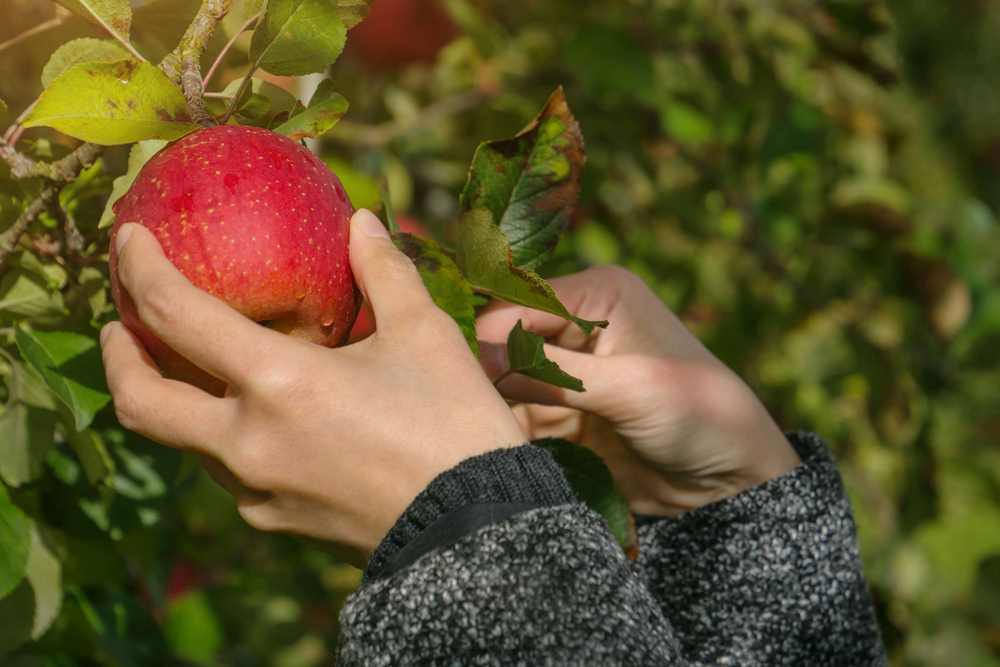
388 279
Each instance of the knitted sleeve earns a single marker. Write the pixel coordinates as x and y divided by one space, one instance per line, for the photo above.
494 564
770 576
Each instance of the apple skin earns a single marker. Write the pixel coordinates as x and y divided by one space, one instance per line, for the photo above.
250 217
397 33
364 326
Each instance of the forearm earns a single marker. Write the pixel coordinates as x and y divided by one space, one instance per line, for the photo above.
769 576
545 584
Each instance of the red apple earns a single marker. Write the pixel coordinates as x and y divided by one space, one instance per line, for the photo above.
397 33
254 219
364 326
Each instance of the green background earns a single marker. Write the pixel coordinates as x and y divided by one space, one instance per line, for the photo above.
811 186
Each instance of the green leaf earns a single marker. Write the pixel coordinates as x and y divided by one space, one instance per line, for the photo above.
97 463
17 616
297 37
15 538
27 431
352 12
113 17
324 110
390 213
83 50
137 158
593 485
193 628
531 183
251 8
113 103
72 367
526 351
26 435
485 257
3 108
44 572
446 284
250 109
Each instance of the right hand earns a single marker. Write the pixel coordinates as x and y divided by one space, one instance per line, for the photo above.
677 428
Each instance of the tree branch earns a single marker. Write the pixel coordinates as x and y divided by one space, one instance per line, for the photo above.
9 239
184 64
63 170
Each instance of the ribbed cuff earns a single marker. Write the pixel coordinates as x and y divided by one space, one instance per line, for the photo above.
525 475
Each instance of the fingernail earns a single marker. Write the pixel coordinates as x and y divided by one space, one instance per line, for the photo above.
121 237
370 225
105 332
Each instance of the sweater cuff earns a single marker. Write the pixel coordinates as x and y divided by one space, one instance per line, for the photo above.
504 480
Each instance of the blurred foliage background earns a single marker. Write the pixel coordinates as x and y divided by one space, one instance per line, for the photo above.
810 185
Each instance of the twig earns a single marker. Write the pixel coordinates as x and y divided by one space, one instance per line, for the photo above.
225 49
184 64
63 170
73 239
374 136
8 240
237 96
30 32
6 331
15 128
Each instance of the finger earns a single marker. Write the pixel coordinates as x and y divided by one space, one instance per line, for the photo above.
602 378
387 278
172 413
195 324
592 294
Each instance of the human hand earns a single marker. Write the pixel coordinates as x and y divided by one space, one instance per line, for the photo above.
677 428
330 445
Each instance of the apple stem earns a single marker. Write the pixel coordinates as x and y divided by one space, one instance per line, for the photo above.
225 49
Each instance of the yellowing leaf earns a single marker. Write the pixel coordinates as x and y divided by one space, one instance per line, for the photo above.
84 50
324 110
113 103
530 183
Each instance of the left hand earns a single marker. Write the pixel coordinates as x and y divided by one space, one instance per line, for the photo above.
329 445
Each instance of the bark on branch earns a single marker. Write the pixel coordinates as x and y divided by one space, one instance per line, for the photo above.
48 197
62 171
183 65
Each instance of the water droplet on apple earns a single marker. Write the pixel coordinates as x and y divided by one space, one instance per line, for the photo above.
328 320
231 181
340 193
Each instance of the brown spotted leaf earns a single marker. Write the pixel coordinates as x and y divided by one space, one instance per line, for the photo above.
113 103
530 183
446 284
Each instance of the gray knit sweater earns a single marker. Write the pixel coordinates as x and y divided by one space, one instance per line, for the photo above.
496 564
